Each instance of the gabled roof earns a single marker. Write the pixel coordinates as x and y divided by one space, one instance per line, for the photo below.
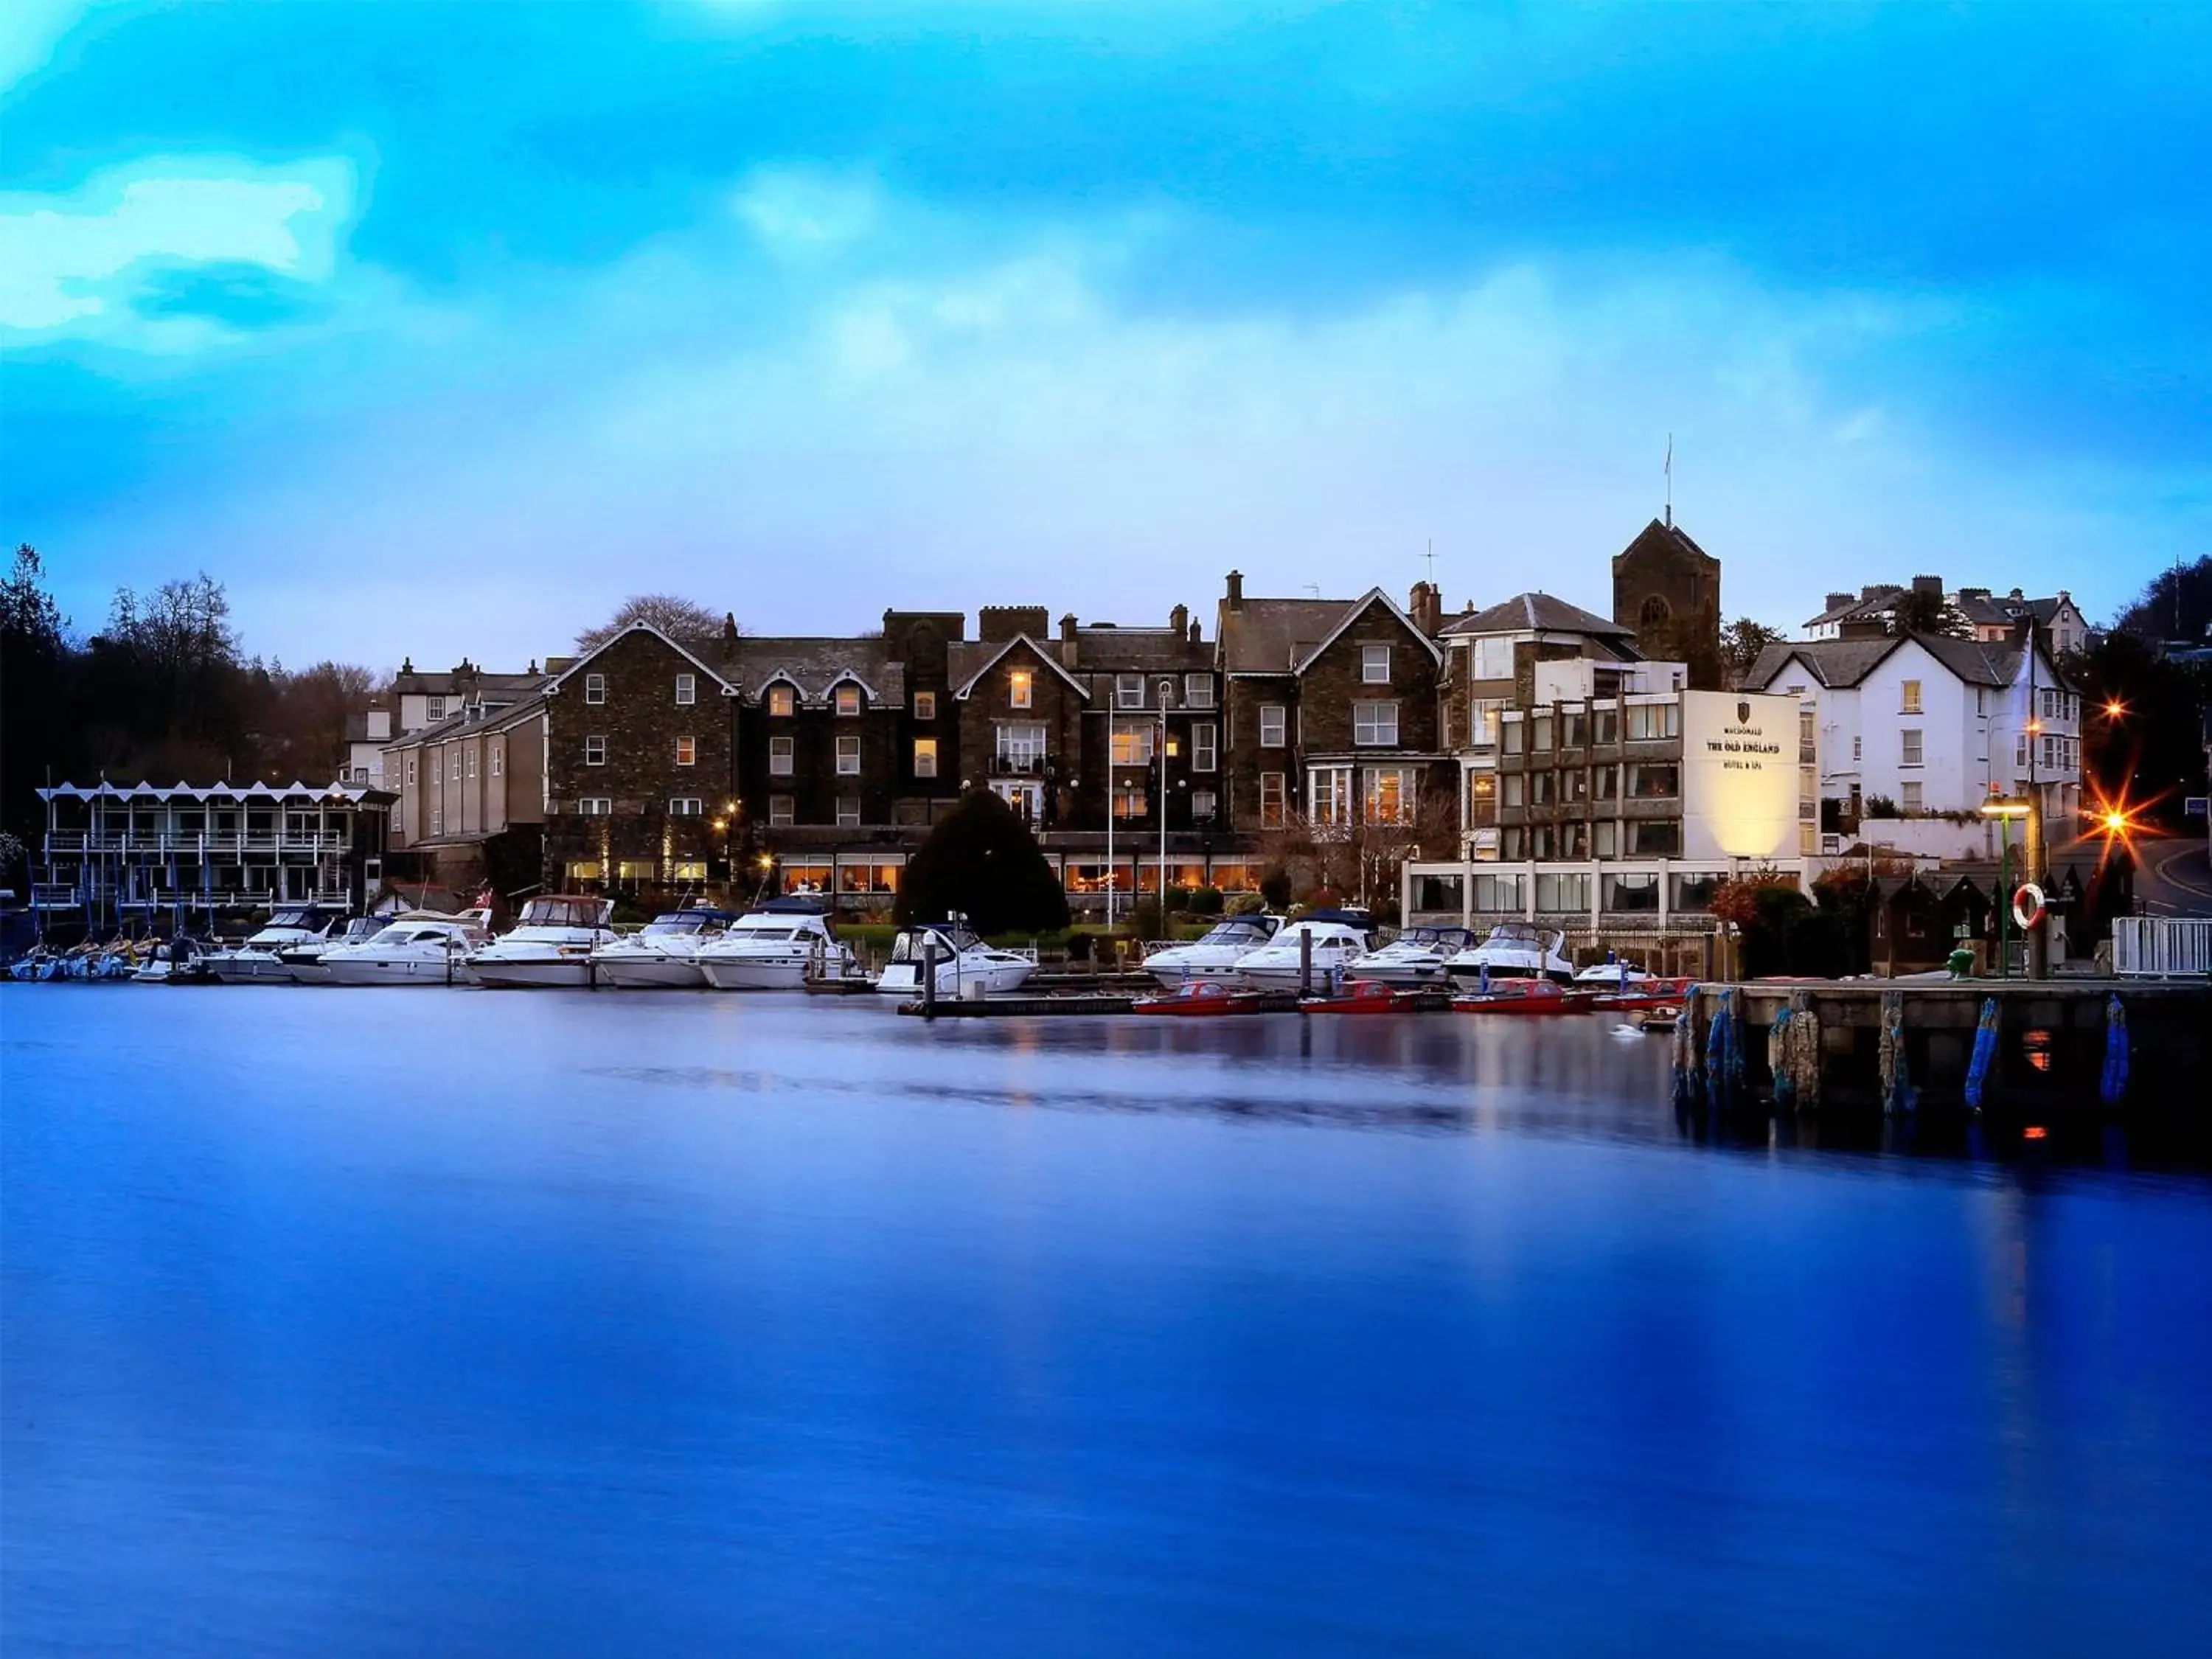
1537 613
1036 649
1842 663
1273 636
1358 608
816 666
554 685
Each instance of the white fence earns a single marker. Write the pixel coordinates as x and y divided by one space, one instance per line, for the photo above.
2153 946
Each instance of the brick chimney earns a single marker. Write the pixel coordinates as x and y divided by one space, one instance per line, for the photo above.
1179 620
1236 590
1837 602
1928 585
1425 606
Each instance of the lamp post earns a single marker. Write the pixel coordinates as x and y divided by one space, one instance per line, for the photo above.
1109 823
1167 690
2005 809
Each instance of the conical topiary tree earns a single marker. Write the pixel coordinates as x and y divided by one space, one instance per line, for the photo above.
981 860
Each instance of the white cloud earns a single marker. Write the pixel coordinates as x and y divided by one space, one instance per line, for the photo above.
82 263
796 211
29 32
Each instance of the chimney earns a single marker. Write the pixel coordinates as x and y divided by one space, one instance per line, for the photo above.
1236 590
1837 602
1179 620
729 630
1928 585
1198 633
1425 606
1067 629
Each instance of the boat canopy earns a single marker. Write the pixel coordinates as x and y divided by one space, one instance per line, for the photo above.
567 910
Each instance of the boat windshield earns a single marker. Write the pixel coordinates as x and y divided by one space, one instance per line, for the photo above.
564 913
1235 932
290 919
951 938
1515 932
677 921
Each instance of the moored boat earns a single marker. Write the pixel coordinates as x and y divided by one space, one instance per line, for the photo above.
256 961
963 962
664 955
1215 955
1202 998
776 947
303 963
415 948
1367 996
1337 939
1525 997
1416 956
549 948
1515 950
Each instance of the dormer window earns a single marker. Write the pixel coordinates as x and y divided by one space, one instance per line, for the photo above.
1021 688
1374 665
848 700
595 689
782 701
433 709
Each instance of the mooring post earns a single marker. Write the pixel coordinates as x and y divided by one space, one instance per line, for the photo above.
929 976
1305 964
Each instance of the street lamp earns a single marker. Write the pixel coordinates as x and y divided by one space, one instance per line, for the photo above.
1167 690
2006 810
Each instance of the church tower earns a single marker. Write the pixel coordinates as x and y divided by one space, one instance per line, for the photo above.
1668 588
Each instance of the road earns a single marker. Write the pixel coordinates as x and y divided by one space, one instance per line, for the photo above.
2173 877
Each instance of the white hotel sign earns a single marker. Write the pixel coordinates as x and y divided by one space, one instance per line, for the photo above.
1739 775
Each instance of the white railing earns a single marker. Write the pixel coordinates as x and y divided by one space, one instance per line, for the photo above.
2152 946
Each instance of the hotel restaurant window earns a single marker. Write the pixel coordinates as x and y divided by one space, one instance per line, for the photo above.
1374 724
925 758
925 705
1631 891
1132 800
1273 719
782 701
1562 893
1648 782
848 701
1021 688
1499 895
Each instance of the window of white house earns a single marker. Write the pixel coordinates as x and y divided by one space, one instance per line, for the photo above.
1374 665
1132 742
1198 690
1128 690
1021 689
1493 660
848 809
1330 791
595 689
1273 719
687 691
1908 697
595 806
595 751
1374 723
1388 795
925 758
1205 746
848 701
925 705
1271 801
1204 805
1910 795
1855 748
498 759
782 701
687 751
779 810
1020 746
1909 746
684 806
779 757
848 757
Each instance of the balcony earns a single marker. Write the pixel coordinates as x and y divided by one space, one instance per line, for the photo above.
1019 766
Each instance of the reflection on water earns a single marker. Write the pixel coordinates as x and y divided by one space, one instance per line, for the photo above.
572 1323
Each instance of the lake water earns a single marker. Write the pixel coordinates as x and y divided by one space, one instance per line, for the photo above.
460 1323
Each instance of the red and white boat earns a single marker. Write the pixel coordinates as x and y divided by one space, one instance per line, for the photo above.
1640 995
1201 999
1365 996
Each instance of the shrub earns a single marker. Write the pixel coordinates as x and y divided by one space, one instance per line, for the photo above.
1246 905
1275 888
981 860
1205 902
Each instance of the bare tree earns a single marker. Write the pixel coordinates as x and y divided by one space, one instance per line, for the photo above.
1359 862
1741 641
682 620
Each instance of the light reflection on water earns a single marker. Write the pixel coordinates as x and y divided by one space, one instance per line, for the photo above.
462 1322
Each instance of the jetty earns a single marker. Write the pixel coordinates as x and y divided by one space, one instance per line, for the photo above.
1982 1044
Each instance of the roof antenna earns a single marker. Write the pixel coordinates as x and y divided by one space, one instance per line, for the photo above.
1313 588
1431 555
1670 481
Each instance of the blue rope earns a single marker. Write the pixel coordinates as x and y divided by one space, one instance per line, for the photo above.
2114 1083
1986 1051
1724 1049
1785 1087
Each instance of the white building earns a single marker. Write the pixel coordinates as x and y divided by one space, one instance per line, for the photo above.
1918 726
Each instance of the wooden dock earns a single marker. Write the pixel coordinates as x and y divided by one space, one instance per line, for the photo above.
1899 1044
1019 1006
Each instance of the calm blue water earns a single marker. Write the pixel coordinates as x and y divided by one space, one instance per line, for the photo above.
470 1324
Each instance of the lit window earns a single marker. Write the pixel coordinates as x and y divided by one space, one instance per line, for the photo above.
688 870
1271 801
1374 723
848 757
1132 742
595 751
1198 690
1374 665
781 700
848 700
595 689
925 758
1129 690
1909 697
1909 746
1330 791
1021 688
1205 746
1273 720
1132 800
779 810
925 705
687 751
582 870
1388 795
683 807
848 809
687 691
779 757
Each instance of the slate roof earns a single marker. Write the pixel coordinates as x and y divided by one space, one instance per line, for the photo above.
1273 636
498 713
1879 603
1134 650
1847 662
815 665
1540 613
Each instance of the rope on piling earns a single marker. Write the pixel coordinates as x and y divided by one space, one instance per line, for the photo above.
1724 1050
1898 1094
1778 1060
1688 1081
1793 1053
2113 1086
1985 1052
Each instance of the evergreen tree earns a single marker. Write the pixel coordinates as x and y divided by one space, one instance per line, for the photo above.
982 861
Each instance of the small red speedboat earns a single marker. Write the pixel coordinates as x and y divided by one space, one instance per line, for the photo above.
1202 998
1525 996
1364 996
1642 995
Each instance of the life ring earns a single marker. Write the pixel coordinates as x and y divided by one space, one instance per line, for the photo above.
2028 904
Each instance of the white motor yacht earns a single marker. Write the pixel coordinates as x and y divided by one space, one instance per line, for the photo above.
1616 975
664 956
1339 937
1415 957
776 947
417 947
549 948
1515 950
303 963
256 961
962 962
1214 957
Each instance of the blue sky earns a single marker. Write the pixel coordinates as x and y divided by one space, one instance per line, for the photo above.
436 330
